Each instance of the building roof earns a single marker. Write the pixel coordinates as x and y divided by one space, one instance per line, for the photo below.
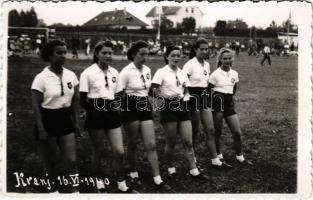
115 18
166 10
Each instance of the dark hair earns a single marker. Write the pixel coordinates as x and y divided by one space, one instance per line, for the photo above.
98 48
196 45
48 49
169 49
133 50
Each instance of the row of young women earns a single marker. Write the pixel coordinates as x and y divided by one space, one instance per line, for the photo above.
55 105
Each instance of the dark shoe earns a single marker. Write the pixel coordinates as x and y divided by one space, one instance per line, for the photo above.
172 177
201 177
224 165
245 162
135 181
163 187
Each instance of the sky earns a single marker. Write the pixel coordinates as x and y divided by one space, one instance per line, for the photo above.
254 14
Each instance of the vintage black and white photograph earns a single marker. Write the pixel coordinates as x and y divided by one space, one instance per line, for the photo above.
157 97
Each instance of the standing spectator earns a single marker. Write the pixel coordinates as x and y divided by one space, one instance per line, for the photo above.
38 44
75 47
87 46
266 54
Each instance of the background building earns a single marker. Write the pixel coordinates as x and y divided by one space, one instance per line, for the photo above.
116 19
176 14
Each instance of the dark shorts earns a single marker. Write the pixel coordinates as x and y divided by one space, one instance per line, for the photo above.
56 122
200 99
102 114
223 103
174 111
136 109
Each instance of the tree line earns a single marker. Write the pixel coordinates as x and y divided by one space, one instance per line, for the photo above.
238 27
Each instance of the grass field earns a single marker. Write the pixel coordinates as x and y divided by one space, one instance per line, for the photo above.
266 102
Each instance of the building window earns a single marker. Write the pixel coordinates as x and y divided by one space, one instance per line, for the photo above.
106 18
186 10
113 18
192 10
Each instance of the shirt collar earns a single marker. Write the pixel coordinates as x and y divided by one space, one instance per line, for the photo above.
133 66
169 69
96 66
50 73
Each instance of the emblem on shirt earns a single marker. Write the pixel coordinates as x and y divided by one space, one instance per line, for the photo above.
69 85
113 79
232 80
148 76
205 72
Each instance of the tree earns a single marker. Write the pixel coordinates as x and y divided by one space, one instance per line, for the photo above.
188 24
24 18
165 24
14 18
236 24
41 23
220 24
33 19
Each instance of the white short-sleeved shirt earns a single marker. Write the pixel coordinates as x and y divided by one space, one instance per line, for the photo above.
198 74
92 81
166 78
49 84
224 82
131 79
267 49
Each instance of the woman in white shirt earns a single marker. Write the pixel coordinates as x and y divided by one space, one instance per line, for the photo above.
97 95
134 83
170 85
53 98
224 82
198 71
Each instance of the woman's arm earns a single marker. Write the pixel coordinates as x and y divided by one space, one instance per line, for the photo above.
154 90
235 88
37 98
210 89
83 100
75 111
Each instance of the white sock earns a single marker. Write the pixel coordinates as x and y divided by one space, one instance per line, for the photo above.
220 156
171 170
195 159
216 161
194 172
157 180
134 175
122 186
240 158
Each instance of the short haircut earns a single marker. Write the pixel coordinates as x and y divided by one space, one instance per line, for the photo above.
133 50
98 48
168 51
196 45
48 49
